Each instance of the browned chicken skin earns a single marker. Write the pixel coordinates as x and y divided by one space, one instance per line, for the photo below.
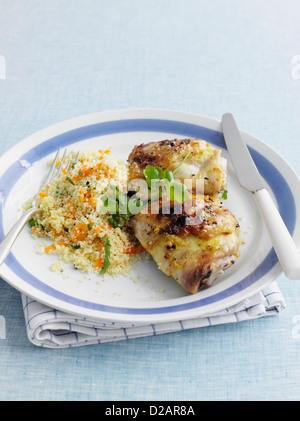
196 241
193 246
204 162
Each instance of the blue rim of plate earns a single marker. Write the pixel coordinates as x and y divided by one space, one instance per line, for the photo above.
274 178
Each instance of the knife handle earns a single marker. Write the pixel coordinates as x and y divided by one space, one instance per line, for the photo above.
285 248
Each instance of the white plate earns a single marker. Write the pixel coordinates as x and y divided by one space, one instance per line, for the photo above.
153 297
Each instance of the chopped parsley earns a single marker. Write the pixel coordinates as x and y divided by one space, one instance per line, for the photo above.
114 220
33 223
224 194
70 181
107 255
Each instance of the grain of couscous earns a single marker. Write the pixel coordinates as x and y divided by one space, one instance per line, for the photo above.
81 233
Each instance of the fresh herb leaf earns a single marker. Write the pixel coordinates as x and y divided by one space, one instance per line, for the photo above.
152 173
168 175
70 181
77 246
224 194
114 220
32 223
80 173
177 191
58 192
107 255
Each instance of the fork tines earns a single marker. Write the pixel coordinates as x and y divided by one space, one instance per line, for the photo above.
53 172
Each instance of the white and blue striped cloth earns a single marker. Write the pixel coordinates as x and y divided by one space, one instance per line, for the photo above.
47 327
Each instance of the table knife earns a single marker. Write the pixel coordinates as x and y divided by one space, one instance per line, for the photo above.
249 178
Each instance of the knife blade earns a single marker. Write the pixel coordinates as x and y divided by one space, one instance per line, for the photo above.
249 178
241 159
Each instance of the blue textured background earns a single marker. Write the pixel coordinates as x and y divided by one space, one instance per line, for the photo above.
64 59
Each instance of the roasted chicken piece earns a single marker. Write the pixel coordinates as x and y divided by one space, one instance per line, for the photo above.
203 163
193 244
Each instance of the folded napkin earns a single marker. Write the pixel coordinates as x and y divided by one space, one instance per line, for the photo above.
47 327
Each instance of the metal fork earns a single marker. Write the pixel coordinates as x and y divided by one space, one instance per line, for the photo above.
10 238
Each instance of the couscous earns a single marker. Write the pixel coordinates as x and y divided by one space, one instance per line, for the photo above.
82 232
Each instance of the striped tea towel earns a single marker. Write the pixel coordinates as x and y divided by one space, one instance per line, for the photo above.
47 327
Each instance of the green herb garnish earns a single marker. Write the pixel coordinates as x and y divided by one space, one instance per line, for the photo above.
121 207
77 246
107 255
33 223
70 181
224 194
152 173
157 178
177 191
168 175
114 220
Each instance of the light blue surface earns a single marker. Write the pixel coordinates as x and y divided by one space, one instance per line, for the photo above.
65 59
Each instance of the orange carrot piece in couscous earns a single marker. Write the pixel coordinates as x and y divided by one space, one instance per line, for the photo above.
41 194
79 233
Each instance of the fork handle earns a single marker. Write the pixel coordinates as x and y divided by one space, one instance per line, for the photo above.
10 238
